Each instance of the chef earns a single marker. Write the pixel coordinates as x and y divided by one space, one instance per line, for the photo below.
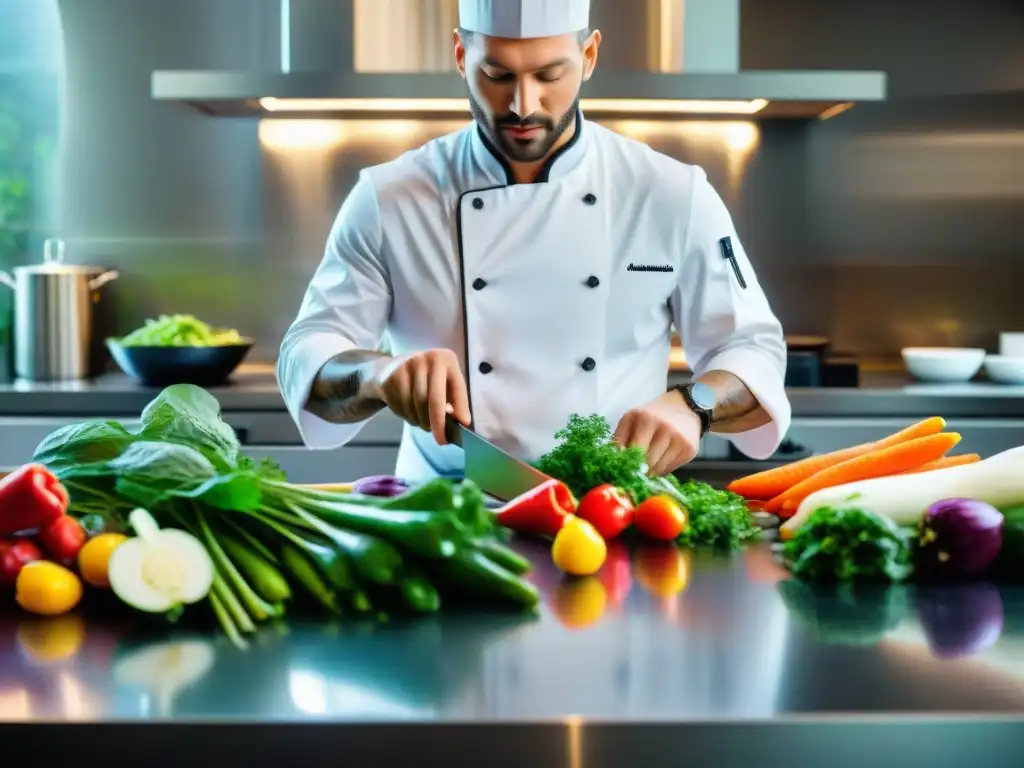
530 266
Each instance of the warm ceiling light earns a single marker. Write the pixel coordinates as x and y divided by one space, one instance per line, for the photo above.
594 106
271 104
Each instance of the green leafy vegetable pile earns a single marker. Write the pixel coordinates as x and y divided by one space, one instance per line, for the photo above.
346 553
849 545
180 331
586 456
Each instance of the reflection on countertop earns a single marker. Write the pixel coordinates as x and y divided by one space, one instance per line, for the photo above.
657 635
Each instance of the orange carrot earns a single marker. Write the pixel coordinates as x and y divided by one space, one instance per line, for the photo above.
924 428
887 461
790 506
772 482
945 461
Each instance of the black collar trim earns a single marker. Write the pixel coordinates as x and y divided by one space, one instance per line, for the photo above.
545 172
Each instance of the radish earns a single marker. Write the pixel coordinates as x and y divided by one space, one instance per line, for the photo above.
998 481
160 569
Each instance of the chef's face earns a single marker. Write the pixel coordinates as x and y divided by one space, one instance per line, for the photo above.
524 93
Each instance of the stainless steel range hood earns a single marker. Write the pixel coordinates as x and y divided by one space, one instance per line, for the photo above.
674 59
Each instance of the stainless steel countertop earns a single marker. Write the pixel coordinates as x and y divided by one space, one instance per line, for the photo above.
254 388
660 654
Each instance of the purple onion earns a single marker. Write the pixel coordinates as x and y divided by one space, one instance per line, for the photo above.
960 619
380 485
959 537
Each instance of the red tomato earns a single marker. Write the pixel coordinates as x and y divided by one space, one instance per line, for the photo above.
63 537
15 554
660 518
608 509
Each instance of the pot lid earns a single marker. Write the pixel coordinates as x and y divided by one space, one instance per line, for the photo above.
53 263
58 269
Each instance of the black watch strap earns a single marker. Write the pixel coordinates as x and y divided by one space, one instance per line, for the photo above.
702 404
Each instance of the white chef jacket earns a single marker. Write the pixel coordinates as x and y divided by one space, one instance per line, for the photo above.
557 296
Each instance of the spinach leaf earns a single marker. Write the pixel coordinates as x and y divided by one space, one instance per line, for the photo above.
235 492
164 464
150 473
849 545
88 443
188 415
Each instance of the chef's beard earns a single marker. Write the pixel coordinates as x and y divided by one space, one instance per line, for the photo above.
532 150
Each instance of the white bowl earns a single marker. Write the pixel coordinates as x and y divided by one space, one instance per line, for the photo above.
944 365
1005 370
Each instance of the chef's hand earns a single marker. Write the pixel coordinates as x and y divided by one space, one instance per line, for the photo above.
667 431
423 387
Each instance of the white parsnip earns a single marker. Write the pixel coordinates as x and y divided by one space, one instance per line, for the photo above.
998 480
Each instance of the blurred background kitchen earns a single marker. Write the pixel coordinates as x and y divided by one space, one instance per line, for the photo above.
897 223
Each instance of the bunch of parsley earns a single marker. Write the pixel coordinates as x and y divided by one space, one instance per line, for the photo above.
587 456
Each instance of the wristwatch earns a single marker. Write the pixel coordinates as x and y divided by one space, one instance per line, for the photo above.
701 399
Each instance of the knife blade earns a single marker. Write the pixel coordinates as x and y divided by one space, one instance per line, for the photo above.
496 472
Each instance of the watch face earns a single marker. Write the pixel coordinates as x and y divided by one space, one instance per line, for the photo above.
703 396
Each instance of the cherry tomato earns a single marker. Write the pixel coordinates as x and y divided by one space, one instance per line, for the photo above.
63 538
15 554
608 509
660 518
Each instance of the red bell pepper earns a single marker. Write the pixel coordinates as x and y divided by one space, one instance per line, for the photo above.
63 538
540 511
15 554
608 509
31 497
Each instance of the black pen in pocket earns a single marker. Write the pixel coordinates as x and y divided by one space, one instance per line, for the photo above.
725 245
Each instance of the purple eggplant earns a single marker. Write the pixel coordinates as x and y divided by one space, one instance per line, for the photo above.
960 619
380 485
958 538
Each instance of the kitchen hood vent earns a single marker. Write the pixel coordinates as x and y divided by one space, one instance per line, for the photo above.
379 58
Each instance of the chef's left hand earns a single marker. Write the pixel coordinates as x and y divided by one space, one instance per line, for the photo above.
666 429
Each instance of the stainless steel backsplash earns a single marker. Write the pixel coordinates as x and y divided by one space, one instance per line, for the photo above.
893 224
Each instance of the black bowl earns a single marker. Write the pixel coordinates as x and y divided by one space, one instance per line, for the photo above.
164 366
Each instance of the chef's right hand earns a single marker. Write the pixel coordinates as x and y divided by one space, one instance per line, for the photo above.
423 387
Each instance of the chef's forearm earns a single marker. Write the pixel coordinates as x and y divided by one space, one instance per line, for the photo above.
736 408
342 392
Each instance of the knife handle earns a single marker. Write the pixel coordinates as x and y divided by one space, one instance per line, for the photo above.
452 430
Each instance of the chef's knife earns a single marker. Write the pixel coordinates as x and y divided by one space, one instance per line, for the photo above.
498 473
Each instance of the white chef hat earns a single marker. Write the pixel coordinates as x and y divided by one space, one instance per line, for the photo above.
524 18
